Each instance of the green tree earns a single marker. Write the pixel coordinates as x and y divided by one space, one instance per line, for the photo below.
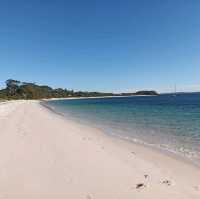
12 87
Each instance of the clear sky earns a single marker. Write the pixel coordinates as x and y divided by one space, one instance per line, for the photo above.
104 45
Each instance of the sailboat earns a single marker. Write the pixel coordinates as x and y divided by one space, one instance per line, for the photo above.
175 92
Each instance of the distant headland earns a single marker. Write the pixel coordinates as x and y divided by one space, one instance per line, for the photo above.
24 90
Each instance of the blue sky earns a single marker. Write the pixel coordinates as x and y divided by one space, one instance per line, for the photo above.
107 45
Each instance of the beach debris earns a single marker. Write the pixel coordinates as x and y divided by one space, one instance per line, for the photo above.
133 152
140 185
167 182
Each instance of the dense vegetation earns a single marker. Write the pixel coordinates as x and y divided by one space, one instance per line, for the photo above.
23 90
141 93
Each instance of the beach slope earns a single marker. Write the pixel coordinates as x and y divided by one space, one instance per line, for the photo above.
45 156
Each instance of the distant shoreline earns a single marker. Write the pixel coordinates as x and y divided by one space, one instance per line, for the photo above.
98 97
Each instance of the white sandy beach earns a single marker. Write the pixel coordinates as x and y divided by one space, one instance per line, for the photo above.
45 156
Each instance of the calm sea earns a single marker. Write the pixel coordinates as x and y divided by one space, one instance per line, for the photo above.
168 122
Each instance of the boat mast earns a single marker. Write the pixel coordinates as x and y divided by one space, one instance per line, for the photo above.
175 90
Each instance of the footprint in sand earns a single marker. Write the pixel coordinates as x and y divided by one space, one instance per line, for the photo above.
146 176
142 185
197 188
167 182
88 197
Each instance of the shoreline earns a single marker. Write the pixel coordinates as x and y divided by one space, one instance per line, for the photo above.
98 97
44 155
128 144
140 143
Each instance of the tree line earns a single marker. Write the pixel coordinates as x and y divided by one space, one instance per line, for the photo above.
23 90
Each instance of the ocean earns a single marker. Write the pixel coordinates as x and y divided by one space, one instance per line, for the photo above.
167 122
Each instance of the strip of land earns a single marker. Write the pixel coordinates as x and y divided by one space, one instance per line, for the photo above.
45 156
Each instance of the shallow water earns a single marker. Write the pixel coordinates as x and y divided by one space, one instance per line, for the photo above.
166 122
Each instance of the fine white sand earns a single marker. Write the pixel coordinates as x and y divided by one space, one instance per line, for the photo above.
45 156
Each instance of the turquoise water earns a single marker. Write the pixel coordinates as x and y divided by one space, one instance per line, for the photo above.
166 122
